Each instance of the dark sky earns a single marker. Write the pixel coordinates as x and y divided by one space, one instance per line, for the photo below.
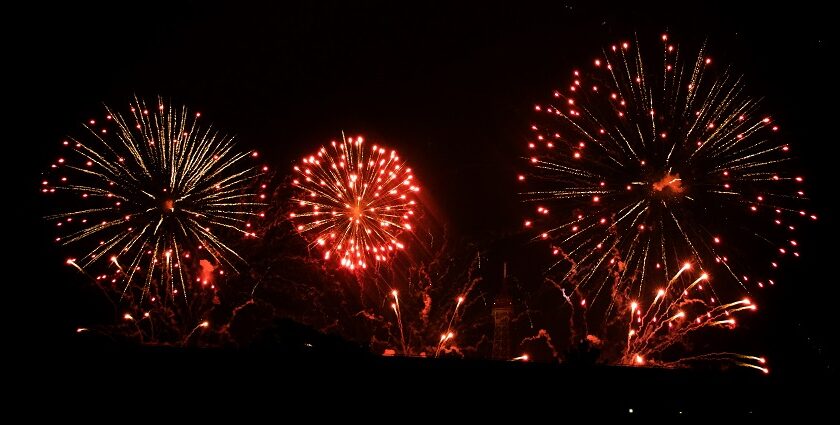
450 87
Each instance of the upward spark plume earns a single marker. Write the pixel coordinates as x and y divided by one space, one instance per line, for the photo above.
392 309
675 313
429 313
645 159
354 202
396 307
151 192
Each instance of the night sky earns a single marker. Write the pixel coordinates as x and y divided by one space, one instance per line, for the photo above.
451 87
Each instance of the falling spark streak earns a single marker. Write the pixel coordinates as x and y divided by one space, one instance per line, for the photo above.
354 202
72 262
158 187
753 362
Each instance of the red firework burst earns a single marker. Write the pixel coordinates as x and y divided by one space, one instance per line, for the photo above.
354 202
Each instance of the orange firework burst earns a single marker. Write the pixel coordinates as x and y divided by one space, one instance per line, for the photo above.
646 159
354 202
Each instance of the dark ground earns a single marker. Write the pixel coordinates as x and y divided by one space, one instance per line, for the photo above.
297 371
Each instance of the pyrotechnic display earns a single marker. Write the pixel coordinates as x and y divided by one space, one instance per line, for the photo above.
647 159
597 208
354 201
433 303
427 316
676 313
155 198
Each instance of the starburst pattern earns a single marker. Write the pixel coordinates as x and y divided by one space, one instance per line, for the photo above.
636 168
151 192
353 202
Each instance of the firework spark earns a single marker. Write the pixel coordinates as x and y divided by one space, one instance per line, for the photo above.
396 307
634 168
428 316
400 309
151 192
674 314
354 202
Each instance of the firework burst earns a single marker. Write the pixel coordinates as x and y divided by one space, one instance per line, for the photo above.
635 168
151 192
354 202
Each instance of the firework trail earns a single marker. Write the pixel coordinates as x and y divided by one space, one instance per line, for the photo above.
646 160
396 307
654 332
431 307
354 202
673 315
438 291
153 195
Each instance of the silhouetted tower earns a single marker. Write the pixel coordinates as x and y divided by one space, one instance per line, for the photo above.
502 311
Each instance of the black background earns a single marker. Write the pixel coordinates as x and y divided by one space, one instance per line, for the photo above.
451 87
